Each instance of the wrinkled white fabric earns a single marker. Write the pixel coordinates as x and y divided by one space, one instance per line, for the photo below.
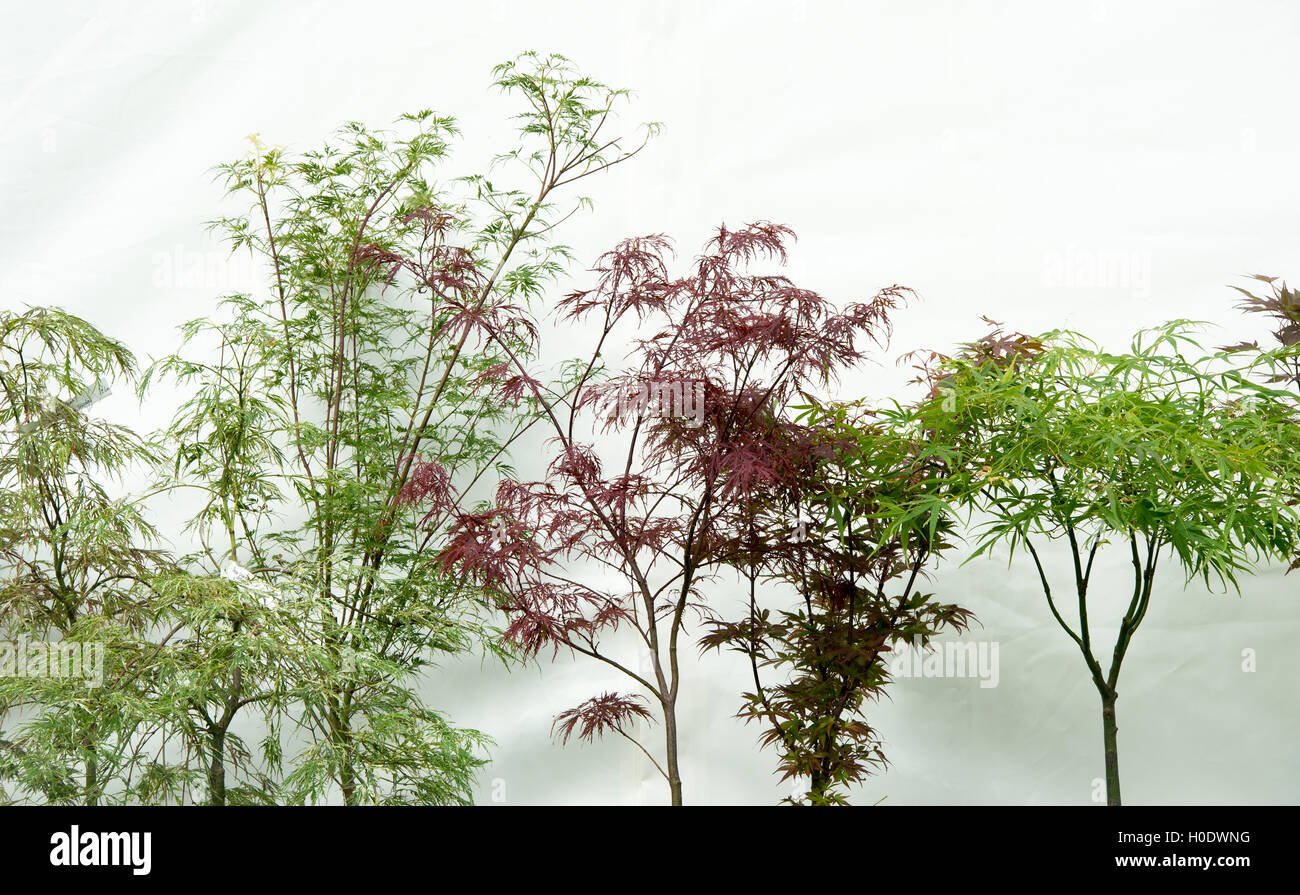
1089 165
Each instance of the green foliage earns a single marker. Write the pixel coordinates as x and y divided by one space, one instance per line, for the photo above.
1164 450
318 412
1188 453
74 563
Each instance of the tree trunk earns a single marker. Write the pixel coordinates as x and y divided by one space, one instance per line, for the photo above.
348 781
670 736
217 759
217 768
342 736
817 786
92 781
1109 731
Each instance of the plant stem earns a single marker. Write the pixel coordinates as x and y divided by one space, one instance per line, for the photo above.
1109 731
670 737
217 768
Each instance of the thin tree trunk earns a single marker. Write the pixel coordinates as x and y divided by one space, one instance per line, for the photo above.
1109 731
670 736
217 758
342 736
347 770
348 782
817 786
819 782
92 781
217 768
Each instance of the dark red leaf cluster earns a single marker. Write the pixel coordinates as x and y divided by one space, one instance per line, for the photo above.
428 485
607 712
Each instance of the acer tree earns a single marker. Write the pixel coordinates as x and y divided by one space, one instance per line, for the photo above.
648 457
850 514
1174 457
76 561
317 406
239 648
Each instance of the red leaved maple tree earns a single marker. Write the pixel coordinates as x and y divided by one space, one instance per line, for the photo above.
682 430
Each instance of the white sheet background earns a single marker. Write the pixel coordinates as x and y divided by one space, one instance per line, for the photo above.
974 151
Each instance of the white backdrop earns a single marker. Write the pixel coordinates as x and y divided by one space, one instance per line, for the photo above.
988 154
